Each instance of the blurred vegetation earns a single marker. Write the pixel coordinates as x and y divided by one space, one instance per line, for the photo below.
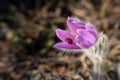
27 36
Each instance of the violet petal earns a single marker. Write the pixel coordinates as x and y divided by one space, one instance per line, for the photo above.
91 28
75 24
83 43
63 35
63 45
85 39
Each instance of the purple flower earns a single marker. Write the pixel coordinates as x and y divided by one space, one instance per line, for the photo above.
81 35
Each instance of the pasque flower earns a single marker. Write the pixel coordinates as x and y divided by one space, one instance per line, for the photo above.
84 37
81 35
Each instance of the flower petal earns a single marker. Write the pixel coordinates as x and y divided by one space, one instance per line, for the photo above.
63 45
85 39
83 43
63 35
91 28
75 24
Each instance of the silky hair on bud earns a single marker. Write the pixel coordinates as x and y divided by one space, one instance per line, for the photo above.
97 52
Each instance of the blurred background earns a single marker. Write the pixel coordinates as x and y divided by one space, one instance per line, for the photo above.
27 36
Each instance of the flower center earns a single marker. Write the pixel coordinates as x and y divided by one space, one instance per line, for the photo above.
82 27
69 40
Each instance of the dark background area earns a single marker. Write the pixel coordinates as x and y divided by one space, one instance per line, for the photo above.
27 36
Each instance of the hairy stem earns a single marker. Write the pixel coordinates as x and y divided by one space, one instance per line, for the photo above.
96 71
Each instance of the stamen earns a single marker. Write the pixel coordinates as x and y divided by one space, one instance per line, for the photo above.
69 40
82 27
